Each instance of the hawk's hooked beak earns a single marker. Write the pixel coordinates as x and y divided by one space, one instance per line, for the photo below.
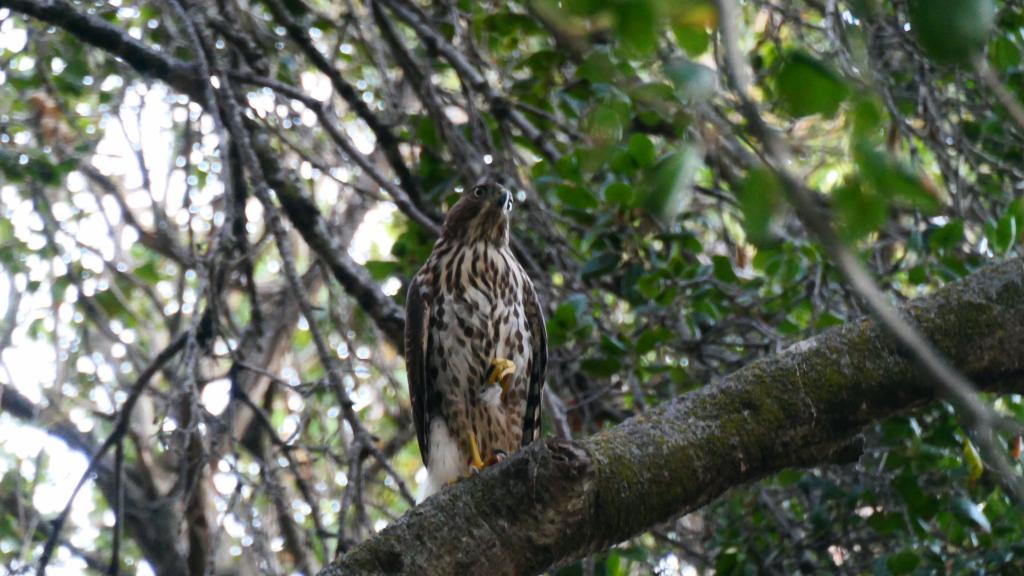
504 200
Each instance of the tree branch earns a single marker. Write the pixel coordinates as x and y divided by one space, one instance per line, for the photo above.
499 105
185 77
778 157
310 223
556 501
147 520
388 142
115 437
180 75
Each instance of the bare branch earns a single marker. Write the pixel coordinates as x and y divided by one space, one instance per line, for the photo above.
1002 93
387 140
148 521
302 212
116 436
94 30
500 106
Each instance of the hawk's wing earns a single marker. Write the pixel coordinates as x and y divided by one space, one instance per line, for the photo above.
539 343
417 330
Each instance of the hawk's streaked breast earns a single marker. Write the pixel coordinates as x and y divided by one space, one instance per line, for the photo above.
470 304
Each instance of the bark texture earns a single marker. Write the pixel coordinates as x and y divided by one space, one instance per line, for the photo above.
556 501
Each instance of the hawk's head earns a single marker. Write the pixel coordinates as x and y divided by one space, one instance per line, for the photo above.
480 215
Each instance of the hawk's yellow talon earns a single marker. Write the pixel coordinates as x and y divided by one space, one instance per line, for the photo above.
497 457
501 371
474 451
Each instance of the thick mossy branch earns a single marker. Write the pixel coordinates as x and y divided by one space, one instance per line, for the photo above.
556 501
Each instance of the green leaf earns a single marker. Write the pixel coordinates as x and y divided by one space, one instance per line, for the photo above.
723 269
868 118
649 286
652 93
642 150
1003 54
694 40
1003 235
612 346
759 198
511 23
426 131
694 82
600 366
382 269
828 320
861 211
918 275
651 338
576 197
598 67
903 562
637 22
543 63
807 86
619 193
613 564
730 561
668 187
952 31
600 265
565 316
148 272
948 236
109 303
921 504
865 9
971 513
605 124
1017 209
972 460
894 179
569 312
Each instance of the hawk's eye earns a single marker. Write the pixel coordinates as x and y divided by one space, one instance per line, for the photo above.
478 192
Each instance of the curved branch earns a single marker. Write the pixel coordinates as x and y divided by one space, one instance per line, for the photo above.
148 520
559 501
499 105
310 223
388 142
180 75
186 78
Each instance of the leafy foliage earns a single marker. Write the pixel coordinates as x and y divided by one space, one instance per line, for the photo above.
663 247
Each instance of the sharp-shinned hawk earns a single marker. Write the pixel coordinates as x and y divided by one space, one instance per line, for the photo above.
475 343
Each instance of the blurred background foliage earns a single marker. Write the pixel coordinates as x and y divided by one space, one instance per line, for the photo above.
665 254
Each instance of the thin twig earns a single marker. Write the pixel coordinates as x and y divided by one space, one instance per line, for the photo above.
1002 93
777 156
337 135
362 439
412 16
387 140
119 431
118 505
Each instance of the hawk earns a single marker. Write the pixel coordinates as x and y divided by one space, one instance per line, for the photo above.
475 343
